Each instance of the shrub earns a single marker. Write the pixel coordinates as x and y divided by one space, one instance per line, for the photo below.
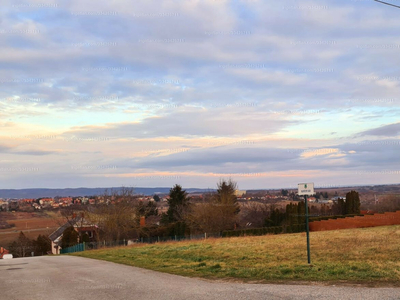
312 219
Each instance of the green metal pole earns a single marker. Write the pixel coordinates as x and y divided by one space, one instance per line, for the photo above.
308 231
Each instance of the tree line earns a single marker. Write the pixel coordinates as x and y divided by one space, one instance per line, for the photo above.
119 218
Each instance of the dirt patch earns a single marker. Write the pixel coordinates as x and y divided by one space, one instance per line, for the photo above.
30 223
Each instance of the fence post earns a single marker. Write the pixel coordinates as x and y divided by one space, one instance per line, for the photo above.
84 246
205 235
158 238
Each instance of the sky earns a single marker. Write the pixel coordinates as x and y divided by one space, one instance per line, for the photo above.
154 93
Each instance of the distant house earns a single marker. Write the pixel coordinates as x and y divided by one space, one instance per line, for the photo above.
26 201
239 193
3 205
336 198
46 202
325 201
36 206
65 201
80 224
311 199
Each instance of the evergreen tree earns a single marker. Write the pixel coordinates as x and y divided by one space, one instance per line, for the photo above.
292 214
42 245
276 218
178 205
301 212
226 195
178 201
352 202
69 238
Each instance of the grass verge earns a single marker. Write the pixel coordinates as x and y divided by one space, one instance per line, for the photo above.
368 256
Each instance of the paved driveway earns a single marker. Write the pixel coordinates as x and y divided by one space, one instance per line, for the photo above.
68 277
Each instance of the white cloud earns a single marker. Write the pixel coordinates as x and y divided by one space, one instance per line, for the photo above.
139 82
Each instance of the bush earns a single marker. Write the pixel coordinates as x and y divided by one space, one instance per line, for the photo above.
312 219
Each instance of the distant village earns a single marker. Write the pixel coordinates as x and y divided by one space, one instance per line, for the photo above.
29 205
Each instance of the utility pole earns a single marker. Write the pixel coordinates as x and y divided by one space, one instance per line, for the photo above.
306 189
308 231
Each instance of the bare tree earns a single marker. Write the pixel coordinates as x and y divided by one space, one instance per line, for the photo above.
22 246
218 212
118 217
253 214
387 203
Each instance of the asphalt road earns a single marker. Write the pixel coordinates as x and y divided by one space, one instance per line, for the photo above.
68 277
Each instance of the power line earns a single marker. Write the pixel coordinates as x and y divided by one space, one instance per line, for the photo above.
387 3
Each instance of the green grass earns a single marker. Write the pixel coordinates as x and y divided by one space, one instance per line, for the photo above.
369 255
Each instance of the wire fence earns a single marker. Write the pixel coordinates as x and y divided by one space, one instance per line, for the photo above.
158 239
127 242
149 240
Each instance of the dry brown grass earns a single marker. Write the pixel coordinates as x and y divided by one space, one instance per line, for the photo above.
369 256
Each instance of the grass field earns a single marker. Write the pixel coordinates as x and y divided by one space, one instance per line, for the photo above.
370 256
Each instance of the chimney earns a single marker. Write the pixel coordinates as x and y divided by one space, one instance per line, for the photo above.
142 221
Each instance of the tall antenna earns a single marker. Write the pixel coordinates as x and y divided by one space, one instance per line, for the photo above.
387 3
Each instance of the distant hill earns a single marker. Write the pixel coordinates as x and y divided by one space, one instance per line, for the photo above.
38 193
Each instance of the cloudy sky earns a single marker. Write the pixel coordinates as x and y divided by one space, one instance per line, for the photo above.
156 92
